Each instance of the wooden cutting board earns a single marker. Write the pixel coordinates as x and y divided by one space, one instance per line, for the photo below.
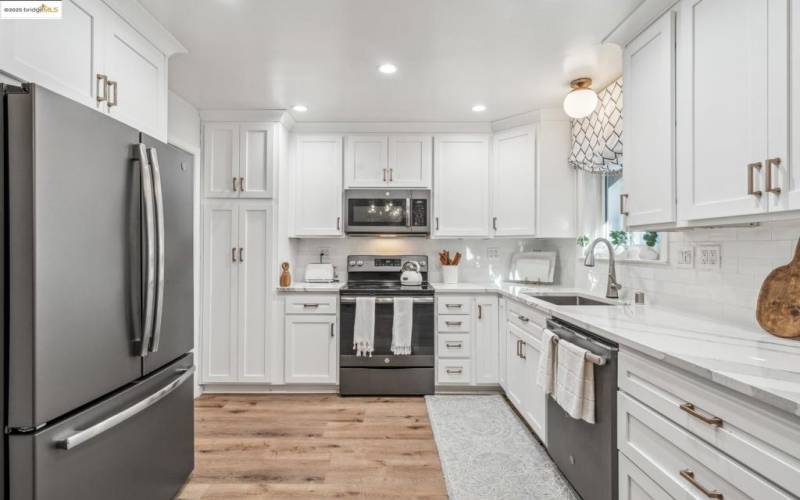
778 310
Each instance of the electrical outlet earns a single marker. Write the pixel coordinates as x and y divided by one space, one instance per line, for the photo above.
492 253
709 257
685 257
324 254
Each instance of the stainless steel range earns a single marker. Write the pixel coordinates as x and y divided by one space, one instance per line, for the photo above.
385 373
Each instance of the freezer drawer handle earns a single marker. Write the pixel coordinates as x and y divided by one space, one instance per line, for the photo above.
85 435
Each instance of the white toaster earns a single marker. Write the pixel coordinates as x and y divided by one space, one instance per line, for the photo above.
319 273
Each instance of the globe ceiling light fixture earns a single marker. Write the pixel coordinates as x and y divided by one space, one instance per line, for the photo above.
582 100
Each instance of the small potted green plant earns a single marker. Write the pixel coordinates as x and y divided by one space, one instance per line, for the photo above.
649 252
619 239
582 242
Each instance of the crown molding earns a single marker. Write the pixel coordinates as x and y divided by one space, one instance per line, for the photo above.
243 115
148 26
392 127
642 16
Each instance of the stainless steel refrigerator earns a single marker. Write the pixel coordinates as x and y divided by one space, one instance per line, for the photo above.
97 304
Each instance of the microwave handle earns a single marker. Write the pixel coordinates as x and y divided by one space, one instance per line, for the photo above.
408 212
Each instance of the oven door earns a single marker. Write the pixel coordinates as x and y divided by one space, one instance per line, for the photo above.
421 334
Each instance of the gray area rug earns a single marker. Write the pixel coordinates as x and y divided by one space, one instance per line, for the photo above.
488 453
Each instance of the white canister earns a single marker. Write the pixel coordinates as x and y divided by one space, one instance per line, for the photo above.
450 274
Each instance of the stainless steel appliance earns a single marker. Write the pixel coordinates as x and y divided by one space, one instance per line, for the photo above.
97 305
384 373
587 453
387 211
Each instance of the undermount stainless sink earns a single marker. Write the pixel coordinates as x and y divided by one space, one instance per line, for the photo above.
569 300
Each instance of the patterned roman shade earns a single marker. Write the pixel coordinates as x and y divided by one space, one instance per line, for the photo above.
596 142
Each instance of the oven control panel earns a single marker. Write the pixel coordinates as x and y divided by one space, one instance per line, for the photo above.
383 263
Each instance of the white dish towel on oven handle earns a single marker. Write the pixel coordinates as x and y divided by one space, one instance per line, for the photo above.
401 326
364 326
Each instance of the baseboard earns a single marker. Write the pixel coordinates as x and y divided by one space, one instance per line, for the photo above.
468 389
269 389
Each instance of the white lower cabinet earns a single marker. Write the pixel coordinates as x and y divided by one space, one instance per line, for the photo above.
636 485
310 348
236 290
467 340
515 366
690 436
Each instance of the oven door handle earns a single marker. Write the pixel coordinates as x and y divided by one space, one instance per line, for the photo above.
388 300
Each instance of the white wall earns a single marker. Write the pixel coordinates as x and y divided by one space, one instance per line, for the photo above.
183 122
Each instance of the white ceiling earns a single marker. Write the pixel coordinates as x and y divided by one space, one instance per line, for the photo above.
511 55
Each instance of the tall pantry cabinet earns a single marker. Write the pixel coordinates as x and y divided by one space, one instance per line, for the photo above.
238 160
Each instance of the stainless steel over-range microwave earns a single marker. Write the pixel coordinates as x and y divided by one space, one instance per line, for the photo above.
387 211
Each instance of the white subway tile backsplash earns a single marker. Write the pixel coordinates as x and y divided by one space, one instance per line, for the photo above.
729 293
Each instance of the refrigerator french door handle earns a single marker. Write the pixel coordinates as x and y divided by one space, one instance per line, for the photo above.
150 249
160 261
85 435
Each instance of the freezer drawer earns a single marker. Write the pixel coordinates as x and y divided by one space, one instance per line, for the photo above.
144 450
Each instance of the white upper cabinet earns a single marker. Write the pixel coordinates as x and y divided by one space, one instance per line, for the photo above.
787 175
255 165
461 186
649 62
514 186
365 160
95 56
238 161
409 161
64 55
318 186
732 100
556 196
387 161
137 79
221 158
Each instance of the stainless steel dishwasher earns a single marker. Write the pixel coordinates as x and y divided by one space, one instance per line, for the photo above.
587 453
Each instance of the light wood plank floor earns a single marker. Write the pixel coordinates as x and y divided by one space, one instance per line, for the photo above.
313 446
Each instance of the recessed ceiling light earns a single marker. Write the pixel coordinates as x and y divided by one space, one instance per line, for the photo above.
478 108
300 108
387 68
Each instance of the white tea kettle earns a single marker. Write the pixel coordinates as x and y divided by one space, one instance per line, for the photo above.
411 275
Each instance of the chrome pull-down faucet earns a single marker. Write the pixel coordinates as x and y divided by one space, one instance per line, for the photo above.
612 290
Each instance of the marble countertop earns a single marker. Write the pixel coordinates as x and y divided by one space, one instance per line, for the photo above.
742 358
302 286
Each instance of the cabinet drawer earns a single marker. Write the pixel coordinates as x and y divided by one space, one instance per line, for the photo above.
766 441
681 463
453 371
311 304
454 323
455 304
530 320
453 345
636 485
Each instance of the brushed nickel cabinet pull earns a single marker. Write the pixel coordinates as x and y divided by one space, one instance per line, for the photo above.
480 311
101 78
310 306
691 410
622 199
751 167
688 475
338 223
241 254
452 323
453 306
454 371
523 318
233 254
391 175
234 184
437 223
241 185
522 346
332 334
114 101
494 223
769 163
453 345
519 348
